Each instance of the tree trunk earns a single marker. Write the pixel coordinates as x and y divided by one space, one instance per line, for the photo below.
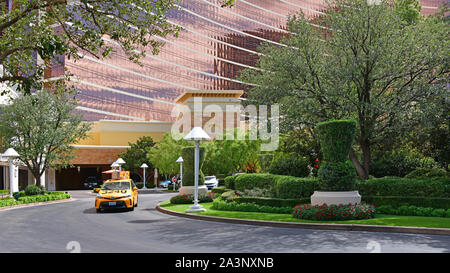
360 170
365 147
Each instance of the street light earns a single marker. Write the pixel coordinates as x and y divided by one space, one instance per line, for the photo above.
120 161
144 166
180 160
11 154
196 134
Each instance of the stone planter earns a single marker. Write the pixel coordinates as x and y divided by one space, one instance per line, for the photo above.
202 190
335 198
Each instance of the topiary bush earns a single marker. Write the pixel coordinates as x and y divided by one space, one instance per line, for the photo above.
34 190
336 172
189 166
291 165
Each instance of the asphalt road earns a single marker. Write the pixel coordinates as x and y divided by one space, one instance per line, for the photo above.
75 226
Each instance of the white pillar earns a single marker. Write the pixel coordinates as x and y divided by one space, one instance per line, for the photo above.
42 179
51 180
13 177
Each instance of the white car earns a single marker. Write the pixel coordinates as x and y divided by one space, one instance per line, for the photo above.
211 182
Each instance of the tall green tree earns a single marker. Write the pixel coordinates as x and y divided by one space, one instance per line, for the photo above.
41 128
136 155
227 156
358 61
165 153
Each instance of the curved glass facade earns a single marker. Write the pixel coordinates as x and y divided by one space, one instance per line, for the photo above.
213 46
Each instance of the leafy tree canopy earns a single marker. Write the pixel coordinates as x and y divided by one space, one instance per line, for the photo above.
41 128
360 62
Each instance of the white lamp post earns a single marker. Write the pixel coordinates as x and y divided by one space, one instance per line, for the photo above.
144 166
196 134
11 154
180 160
120 161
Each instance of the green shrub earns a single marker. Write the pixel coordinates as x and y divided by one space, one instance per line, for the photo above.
228 196
337 176
447 213
428 173
188 166
248 207
34 190
251 181
333 212
34 199
139 186
399 163
219 190
336 138
336 173
291 165
150 185
413 211
229 181
398 201
288 187
273 202
394 186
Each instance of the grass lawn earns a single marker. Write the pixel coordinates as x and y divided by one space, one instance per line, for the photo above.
380 219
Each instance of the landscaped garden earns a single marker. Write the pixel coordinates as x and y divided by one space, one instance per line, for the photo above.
31 194
420 199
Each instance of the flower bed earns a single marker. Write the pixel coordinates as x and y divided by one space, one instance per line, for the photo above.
333 212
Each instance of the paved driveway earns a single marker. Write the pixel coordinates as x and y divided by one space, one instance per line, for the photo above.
65 226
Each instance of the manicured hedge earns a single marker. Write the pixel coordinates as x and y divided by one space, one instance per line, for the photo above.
273 202
50 196
393 190
254 180
229 181
219 190
398 201
414 211
248 207
404 187
288 187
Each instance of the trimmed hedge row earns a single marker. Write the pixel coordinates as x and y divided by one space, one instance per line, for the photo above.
439 187
273 202
34 199
414 211
289 187
248 207
219 190
398 201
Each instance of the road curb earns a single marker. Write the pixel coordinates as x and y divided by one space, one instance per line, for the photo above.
37 204
350 227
